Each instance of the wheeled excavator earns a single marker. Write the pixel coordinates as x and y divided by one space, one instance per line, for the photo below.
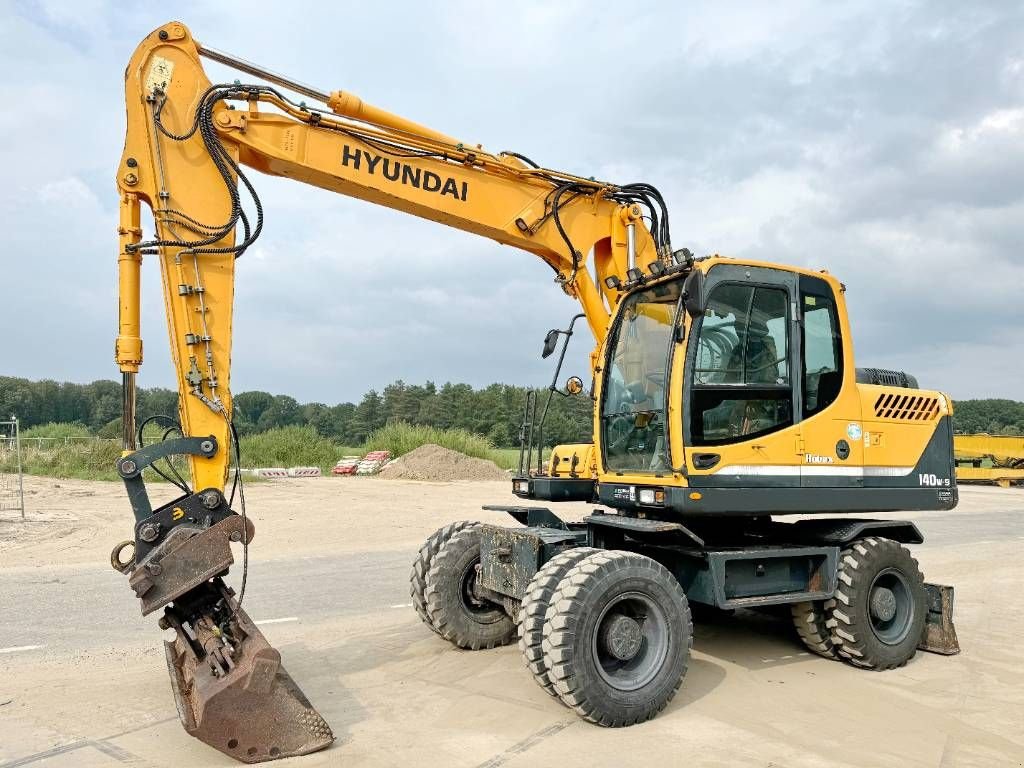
725 395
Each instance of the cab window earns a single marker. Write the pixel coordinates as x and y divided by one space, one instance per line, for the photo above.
741 386
633 407
822 343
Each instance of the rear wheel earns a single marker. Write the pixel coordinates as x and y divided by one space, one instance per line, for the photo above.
458 613
421 565
811 624
877 616
617 638
535 605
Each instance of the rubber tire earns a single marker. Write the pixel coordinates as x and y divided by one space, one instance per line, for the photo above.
849 619
570 624
535 605
448 612
421 565
811 622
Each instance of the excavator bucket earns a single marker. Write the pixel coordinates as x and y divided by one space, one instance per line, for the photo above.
229 685
247 706
939 632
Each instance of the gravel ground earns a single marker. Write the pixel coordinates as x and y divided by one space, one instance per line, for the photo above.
83 683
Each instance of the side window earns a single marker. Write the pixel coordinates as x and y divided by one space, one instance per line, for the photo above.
823 349
741 380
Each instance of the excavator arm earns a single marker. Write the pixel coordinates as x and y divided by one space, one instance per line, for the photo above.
187 147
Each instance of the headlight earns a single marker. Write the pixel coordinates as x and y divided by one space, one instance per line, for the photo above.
521 486
651 496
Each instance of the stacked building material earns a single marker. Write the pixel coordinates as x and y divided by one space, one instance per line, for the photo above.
304 472
372 462
347 465
270 472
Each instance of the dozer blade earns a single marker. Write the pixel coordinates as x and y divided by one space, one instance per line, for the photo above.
939 633
242 702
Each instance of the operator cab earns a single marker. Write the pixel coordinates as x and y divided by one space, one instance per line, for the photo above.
725 386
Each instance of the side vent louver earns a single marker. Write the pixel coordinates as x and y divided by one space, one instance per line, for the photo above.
894 405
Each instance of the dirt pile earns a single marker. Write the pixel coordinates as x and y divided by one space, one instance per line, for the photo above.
432 462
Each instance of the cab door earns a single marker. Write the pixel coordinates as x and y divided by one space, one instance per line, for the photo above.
741 420
829 403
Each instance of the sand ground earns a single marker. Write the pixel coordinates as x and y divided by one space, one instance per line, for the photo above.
83 683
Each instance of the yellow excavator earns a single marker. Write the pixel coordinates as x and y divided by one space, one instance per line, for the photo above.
725 399
994 459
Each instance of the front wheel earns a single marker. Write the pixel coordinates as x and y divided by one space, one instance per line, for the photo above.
877 616
617 638
456 611
421 566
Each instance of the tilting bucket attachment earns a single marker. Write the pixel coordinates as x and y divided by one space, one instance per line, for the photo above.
939 632
235 695
229 686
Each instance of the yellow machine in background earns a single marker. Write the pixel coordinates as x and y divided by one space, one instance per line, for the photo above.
725 397
993 459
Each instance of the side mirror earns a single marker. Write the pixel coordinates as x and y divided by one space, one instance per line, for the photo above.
693 293
550 342
574 385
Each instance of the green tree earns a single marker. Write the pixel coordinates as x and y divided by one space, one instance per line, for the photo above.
284 411
368 416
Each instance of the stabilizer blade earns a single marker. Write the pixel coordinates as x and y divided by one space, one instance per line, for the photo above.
939 632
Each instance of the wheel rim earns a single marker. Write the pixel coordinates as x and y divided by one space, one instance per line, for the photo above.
482 611
630 641
890 606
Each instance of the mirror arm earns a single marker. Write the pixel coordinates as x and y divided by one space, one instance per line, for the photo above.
561 357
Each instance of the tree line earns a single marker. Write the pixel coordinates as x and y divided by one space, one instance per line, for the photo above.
494 411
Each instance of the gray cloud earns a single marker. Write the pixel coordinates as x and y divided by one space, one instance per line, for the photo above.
883 141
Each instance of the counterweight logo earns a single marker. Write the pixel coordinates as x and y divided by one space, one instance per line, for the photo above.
393 170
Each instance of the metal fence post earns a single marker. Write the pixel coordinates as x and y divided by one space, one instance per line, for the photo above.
21 480
12 497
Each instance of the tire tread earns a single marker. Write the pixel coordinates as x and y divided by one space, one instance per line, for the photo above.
439 607
534 608
421 566
566 610
852 639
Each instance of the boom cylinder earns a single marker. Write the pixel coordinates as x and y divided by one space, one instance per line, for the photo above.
128 347
264 74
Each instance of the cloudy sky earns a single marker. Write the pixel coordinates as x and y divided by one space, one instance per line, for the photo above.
884 141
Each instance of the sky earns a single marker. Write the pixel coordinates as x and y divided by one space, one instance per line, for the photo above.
883 141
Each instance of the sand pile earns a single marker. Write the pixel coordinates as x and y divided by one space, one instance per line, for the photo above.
432 462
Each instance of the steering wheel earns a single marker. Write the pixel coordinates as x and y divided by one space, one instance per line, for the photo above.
621 427
772 364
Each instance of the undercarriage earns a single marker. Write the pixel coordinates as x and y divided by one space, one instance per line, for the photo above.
601 608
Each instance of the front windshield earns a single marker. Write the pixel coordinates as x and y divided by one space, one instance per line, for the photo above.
633 400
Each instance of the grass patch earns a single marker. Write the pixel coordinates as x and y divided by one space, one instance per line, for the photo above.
400 438
506 458
84 460
284 447
56 430
291 447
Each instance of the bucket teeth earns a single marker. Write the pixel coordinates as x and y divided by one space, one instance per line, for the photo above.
238 698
